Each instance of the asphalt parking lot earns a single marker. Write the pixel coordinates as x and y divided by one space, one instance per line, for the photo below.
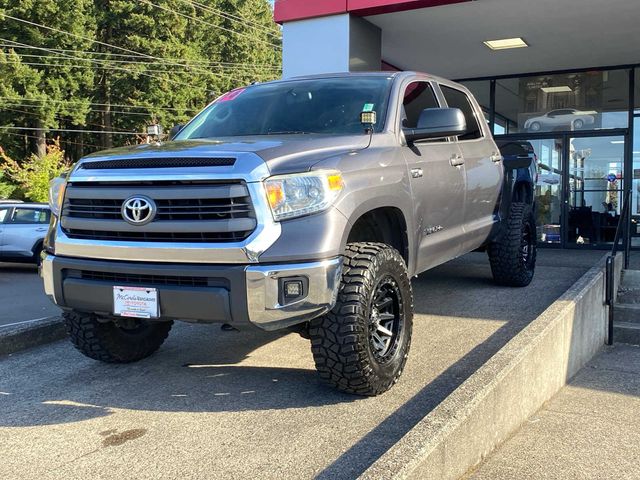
216 404
22 296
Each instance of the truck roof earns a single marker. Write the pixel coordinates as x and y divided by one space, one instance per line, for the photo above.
398 74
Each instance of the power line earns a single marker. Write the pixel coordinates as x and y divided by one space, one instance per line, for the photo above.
64 140
112 54
231 17
106 66
133 62
103 62
95 104
101 67
63 55
91 110
89 39
196 19
70 130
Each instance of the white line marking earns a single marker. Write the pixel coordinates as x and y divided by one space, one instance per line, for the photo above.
26 321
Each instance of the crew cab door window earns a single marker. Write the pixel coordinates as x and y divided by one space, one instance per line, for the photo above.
458 99
417 97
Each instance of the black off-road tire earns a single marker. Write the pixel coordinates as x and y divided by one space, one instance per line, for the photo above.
513 254
342 341
109 343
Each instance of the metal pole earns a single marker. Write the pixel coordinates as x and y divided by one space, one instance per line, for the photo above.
609 281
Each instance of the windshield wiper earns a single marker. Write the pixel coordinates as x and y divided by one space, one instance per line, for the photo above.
287 132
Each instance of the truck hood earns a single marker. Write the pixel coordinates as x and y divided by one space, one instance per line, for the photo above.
282 154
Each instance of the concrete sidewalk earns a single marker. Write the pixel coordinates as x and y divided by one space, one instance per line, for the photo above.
590 430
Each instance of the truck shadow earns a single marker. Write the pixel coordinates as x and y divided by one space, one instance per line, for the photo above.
196 371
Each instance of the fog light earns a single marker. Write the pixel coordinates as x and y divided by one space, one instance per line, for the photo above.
293 288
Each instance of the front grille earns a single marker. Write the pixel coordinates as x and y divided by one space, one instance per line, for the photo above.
187 211
146 280
125 163
179 237
180 209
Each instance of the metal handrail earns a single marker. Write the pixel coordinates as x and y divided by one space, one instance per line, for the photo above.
610 265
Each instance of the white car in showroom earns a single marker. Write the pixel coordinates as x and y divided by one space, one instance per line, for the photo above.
565 117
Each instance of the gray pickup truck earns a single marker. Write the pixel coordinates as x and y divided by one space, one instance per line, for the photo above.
305 204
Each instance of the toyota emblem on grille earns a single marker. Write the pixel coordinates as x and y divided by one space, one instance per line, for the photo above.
138 210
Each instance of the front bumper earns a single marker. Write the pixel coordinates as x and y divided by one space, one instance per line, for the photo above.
236 294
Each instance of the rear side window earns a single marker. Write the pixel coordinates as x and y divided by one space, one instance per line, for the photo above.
3 214
29 216
457 99
417 97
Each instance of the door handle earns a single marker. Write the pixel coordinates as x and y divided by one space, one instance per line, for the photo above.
496 157
456 160
416 173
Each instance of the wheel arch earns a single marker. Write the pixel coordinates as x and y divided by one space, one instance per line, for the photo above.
383 224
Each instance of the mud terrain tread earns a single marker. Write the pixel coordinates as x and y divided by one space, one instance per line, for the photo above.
507 267
106 343
339 338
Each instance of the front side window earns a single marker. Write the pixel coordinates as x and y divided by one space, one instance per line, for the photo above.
29 216
458 99
417 97
323 106
3 214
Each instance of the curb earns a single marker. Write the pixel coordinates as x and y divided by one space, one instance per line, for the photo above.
510 387
17 337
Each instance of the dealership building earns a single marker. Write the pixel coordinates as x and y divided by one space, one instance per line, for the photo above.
563 75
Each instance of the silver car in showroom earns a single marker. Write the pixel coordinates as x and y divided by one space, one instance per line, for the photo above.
565 117
22 230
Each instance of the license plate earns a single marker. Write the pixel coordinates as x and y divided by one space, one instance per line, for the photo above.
136 302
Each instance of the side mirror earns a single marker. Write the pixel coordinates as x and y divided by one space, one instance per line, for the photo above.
437 123
175 131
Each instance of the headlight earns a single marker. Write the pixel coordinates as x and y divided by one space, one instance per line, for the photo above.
301 194
56 194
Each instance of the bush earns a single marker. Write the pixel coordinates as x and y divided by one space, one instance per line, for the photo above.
6 188
34 174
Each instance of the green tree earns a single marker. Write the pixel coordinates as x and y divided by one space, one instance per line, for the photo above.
50 83
119 65
190 51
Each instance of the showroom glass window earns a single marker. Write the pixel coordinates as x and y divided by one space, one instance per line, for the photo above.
635 185
580 101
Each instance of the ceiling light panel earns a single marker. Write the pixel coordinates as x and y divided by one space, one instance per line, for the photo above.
506 43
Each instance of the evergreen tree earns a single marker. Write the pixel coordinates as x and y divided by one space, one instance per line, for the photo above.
45 85
119 65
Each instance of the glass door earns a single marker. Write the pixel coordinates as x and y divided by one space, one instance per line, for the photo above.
594 183
549 189
635 187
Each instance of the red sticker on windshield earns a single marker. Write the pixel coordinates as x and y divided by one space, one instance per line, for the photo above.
232 95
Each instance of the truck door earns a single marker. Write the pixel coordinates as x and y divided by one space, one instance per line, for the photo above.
483 168
437 176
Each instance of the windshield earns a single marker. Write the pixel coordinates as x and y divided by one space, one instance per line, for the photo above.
324 105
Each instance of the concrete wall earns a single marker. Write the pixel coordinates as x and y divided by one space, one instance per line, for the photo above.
338 43
487 408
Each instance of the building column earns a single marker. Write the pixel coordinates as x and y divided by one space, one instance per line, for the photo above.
338 43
